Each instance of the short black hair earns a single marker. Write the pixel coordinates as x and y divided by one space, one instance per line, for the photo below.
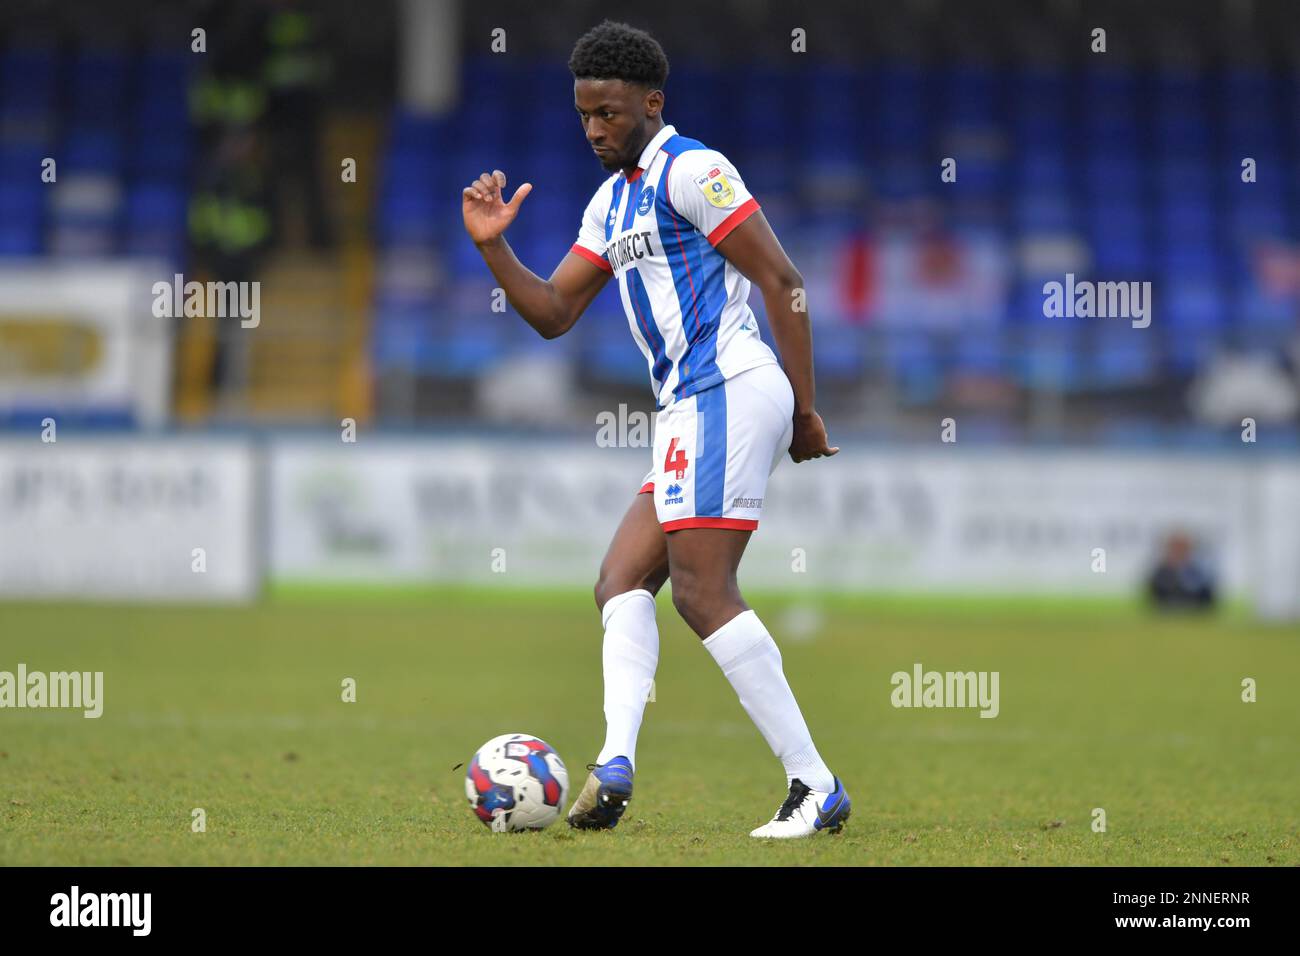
619 51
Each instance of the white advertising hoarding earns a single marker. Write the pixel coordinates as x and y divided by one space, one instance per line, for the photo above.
401 512
128 519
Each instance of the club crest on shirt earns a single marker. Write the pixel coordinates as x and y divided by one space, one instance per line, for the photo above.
715 187
646 201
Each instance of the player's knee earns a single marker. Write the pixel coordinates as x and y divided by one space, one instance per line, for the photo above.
688 596
610 585
704 603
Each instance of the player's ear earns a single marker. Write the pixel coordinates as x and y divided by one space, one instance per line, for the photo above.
654 103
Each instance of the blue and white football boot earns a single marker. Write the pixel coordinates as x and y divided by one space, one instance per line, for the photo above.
605 796
807 811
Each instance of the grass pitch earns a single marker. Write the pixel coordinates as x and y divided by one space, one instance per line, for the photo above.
238 711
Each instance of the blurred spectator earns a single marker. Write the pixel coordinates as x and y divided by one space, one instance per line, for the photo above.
295 71
229 219
857 284
1179 580
229 229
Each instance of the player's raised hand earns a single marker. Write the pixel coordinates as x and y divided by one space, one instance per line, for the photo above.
483 205
810 438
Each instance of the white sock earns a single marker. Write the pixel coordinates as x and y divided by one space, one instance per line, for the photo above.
630 655
751 661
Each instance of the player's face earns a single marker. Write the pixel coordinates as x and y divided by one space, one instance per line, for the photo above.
615 116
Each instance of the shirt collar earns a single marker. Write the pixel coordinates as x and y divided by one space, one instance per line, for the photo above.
653 147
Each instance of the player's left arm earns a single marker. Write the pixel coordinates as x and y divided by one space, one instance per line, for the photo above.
752 247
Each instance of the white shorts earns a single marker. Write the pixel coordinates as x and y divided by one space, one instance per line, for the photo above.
714 450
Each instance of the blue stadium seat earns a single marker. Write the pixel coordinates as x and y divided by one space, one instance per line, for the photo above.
1034 124
980 352
913 362
1188 219
815 96
905 176
1186 177
1121 356
980 175
763 112
901 101
1043 212
28 85
1253 218
606 353
971 95
1192 300
1263 315
1042 168
700 103
417 133
839 352
22 210
97 88
155 220
1049 358
1040 92
1112 128
408 219
1115 173
160 156
92 150
1188 354
1181 257
1120 239
21 161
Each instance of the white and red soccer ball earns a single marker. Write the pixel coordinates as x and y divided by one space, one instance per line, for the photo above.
516 782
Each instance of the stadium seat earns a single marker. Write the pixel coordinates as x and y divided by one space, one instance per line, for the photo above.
1048 357
22 209
97 88
155 220
1121 356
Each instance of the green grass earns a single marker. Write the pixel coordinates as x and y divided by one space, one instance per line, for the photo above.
238 711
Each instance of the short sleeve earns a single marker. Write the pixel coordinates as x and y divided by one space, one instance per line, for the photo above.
707 190
590 243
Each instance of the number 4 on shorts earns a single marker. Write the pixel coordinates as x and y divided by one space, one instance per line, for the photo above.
678 464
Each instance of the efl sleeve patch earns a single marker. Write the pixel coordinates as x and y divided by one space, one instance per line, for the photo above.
717 190
710 193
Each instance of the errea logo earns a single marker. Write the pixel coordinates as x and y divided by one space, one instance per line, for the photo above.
103 909
673 494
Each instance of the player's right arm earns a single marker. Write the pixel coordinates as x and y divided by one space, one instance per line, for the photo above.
551 306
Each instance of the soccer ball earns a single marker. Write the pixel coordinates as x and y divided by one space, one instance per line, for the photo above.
516 782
